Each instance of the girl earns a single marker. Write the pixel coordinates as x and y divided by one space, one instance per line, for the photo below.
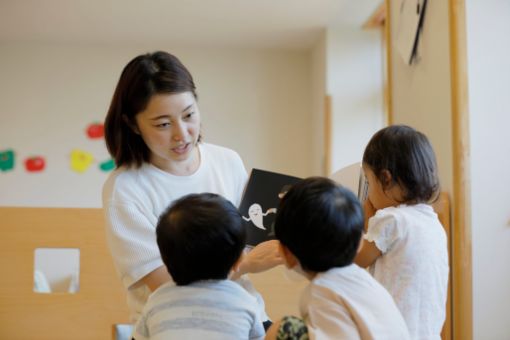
152 130
405 244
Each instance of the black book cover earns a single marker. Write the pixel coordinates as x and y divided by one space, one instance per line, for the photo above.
260 201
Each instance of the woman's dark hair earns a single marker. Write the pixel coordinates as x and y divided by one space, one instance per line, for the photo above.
408 156
200 237
321 223
144 76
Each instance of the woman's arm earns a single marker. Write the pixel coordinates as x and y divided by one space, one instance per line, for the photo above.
156 278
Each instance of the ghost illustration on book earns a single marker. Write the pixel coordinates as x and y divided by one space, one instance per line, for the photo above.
257 216
260 202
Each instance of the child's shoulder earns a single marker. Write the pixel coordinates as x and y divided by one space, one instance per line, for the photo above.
210 289
345 285
339 278
387 216
402 215
404 211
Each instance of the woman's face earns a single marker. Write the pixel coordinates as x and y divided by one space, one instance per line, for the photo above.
170 126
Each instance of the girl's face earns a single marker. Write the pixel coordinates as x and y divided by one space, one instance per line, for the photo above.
379 196
170 126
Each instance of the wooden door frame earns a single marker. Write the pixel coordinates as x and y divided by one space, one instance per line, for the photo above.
461 240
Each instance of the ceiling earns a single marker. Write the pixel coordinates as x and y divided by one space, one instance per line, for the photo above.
241 23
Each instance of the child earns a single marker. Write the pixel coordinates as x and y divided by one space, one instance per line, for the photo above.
319 226
201 238
405 244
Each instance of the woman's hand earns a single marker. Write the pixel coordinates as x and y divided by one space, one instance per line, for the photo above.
264 256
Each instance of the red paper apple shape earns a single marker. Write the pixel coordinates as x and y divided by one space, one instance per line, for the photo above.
34 164
95 130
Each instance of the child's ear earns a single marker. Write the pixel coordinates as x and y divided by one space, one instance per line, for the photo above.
386 178
290 260
131 125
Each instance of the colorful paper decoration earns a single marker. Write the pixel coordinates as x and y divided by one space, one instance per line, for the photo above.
35 164
95 130
107 165
7 160
80 160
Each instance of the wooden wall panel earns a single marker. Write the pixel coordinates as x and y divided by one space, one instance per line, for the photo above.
88 314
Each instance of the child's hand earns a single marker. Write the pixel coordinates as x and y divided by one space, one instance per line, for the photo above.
264 256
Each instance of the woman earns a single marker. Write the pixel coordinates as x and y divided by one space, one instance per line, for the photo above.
152 131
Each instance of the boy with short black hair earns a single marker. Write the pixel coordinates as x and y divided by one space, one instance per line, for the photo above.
319 225
201 238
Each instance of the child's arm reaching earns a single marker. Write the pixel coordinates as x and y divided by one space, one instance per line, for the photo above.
264 256
367 254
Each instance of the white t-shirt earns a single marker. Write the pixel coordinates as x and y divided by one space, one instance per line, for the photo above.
213 309
347 303
134 198
413 266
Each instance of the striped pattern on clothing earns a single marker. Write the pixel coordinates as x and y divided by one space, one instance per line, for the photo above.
215 309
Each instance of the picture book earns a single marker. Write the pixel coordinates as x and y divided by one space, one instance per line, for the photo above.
265 189
260 202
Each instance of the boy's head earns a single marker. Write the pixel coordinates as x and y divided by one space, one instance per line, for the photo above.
321 224
200 237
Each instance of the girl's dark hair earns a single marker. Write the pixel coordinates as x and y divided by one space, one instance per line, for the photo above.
408 156
200 237
321 223
144 76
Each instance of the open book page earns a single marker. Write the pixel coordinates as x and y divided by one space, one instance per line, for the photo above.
353 178
260 201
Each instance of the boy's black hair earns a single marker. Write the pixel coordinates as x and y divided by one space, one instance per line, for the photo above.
321 223
200 237
409 157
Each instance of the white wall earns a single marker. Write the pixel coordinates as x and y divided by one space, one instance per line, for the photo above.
421 93
257 102
319 77
354 81
488 26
